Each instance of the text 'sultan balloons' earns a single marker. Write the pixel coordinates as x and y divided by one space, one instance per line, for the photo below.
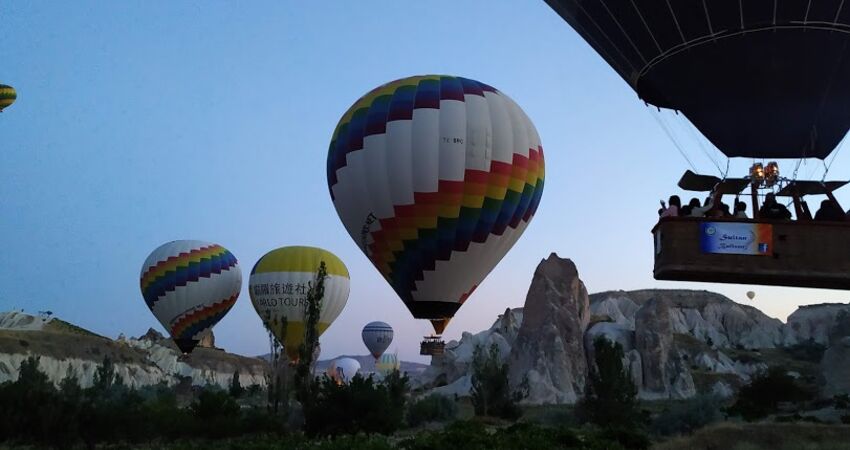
278 286
377 336
435 178
189 286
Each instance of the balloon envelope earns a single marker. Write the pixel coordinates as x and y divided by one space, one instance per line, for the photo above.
189 286
435 178
7 96
387 363
751 295
342 370
279 284
759 79
377 336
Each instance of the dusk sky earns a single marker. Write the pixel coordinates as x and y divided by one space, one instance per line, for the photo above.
140 122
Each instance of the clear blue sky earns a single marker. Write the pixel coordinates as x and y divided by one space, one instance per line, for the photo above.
143 122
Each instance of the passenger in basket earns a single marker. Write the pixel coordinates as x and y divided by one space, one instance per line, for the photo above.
741 210
771 209
829 212
673 209
700 211
688 209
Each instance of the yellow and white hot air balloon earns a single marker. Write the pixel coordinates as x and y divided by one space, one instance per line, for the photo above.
279 284
7 96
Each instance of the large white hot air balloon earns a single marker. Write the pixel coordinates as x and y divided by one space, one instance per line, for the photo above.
189 286
342 370
377 336
435 178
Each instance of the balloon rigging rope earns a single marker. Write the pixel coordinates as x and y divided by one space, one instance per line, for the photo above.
705 151
834 155
657 117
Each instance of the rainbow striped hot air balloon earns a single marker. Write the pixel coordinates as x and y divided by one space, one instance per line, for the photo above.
279 284
189 286
7 96
435 178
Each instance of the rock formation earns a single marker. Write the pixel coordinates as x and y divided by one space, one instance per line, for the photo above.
549 347
835 368
813 322
676 343
665 375
149 359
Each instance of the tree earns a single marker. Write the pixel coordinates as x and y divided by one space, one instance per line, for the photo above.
236 390
765 392
611 398
312 311
491 392
276 376
105 377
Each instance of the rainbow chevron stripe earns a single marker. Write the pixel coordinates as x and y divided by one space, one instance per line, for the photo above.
484 204
193 322
458 214
179 270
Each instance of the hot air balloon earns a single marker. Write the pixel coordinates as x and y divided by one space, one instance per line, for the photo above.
342 370
435 178
7 96
377 336
751 295
387 363
189 286
278 286
760 80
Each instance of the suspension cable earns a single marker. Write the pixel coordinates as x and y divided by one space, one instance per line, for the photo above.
666 129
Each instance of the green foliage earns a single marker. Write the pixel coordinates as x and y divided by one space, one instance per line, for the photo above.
33 410
359 406
491 391
687 416
303 377
236 390
431 408
611 398
808 350
765 392
474 435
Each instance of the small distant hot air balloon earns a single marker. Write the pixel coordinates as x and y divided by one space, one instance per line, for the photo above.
377 336
278 286
189 286
751 295
435 178
7 96
342 370
387 363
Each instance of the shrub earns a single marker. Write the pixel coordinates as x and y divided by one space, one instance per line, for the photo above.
361 405
688 416
764 393
611 397
431 408
808 350
491 392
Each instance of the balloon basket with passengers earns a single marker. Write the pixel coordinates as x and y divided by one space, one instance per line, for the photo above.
709 244
767 81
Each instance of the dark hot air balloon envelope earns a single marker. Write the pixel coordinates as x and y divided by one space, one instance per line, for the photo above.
760 79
